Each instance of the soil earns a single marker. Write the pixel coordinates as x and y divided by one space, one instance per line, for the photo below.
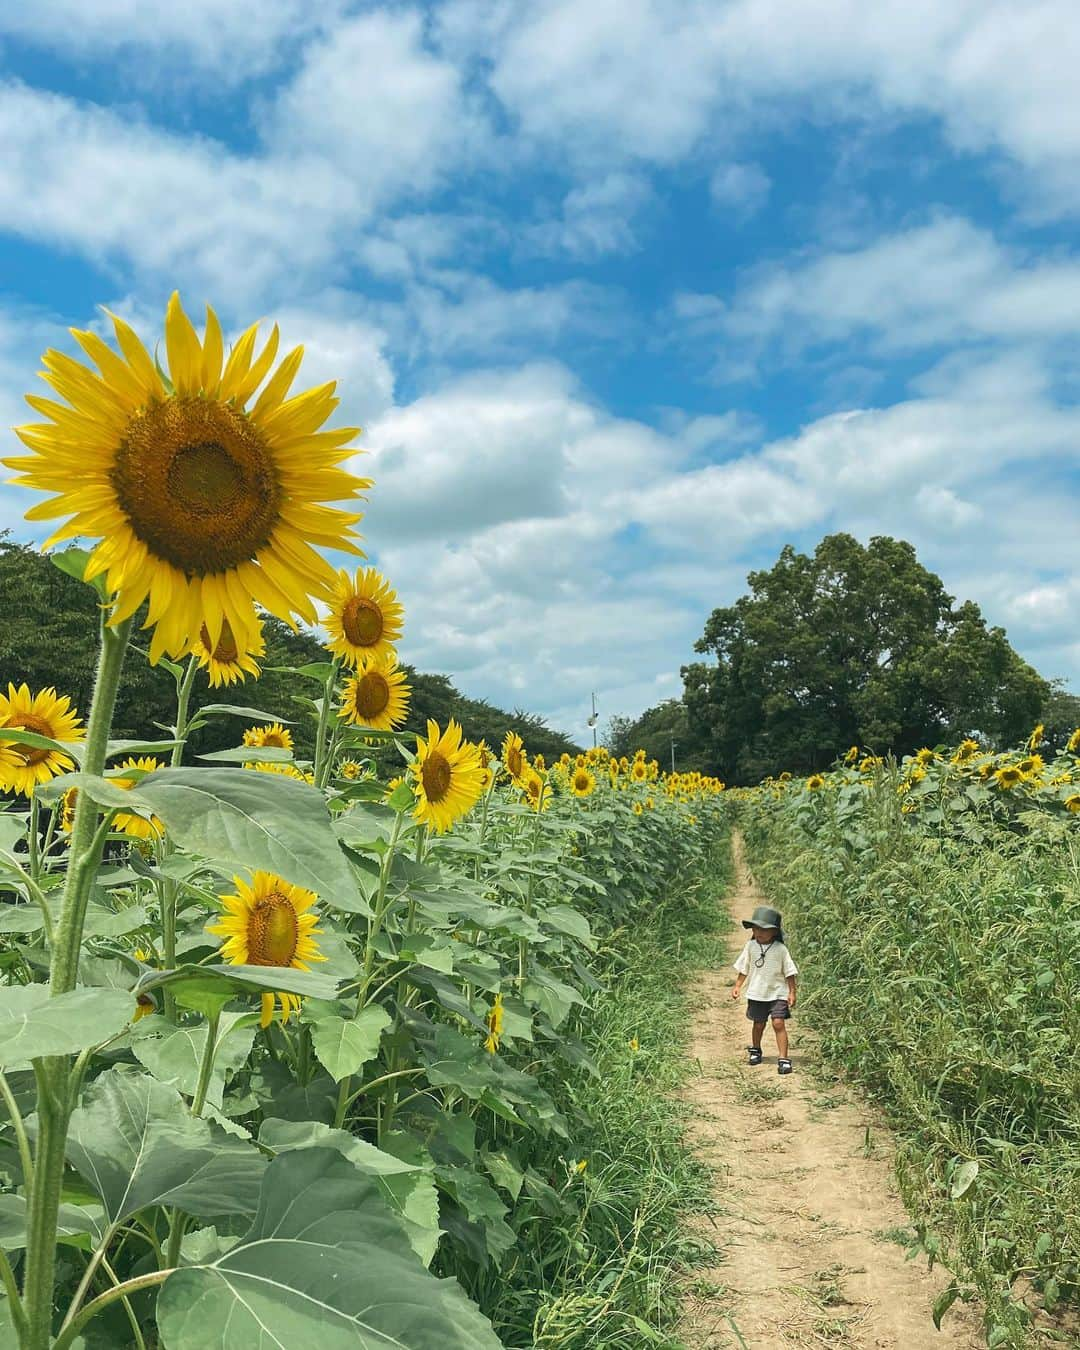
809 1225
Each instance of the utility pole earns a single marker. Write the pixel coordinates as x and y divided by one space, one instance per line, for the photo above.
592 720
672 754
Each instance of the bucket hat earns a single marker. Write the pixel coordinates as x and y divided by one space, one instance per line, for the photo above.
765 917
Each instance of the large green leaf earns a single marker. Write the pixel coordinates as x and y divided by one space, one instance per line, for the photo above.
344 1044
242 979
73 1221
250 754
245 820
174 1054
32 1024
407 1183
136 1143
325 1263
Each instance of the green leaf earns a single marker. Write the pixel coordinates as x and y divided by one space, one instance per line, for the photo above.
140 748
245 819
174 1054
251 754
564 919
326 1263
343 1045
944 1302
198 981
407 1183
963 1178
249 714
136 1143
72 1221
72 562
33 1025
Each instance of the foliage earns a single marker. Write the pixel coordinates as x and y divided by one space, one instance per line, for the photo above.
856 644
935 905
56 613
654 731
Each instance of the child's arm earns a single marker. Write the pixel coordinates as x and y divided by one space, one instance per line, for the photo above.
740 980
791 991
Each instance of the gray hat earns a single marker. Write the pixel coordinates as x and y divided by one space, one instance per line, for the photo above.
764 917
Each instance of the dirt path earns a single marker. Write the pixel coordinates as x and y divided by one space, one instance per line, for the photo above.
806 1199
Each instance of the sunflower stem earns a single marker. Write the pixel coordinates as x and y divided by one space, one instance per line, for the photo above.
183 697
35 855
71 1331
52 1073
206 1068
20 1132
322 756
522 944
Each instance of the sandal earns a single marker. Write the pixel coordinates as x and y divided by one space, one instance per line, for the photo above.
783 1065
755 1054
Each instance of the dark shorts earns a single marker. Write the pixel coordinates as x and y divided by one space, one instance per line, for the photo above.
760 1010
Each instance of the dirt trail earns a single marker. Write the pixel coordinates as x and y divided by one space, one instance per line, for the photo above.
806 1198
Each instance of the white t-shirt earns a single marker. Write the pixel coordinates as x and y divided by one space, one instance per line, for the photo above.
769 980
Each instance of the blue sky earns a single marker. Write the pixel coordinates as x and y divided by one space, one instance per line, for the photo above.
625 296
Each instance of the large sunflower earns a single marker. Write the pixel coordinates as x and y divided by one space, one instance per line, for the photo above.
274 734
378 697
535 789
365 619
46 714
137 827
267 923
583 782
513 754
203 506
225 660
448 778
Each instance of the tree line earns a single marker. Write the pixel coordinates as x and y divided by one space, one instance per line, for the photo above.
49 638
852 645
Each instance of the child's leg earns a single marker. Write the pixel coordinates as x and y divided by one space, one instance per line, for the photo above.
779 1026
756 1033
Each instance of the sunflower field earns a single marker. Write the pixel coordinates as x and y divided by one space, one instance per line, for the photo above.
935 902
292 1050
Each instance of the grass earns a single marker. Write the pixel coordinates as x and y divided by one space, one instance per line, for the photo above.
611 1274
940 975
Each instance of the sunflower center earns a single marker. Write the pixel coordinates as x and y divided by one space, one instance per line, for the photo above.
513 762
226 650
436 776
372 695
26 721
197 483
273 931
581 782
362 621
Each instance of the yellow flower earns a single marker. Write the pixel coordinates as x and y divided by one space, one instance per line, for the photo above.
203 506
1031 765
46 714
494 1022
225 661
274 734
1035 739
135 827
377 696
267 923
924 756
349 769
635 1044
144 1006
534 786
488 778
582 782
365 618
448 779
1072 802
1008 776
965 750
639 771
650 805
67 809
871 762
852 755
814 782
286 769
1073 743
513 754
581 1166
638 808
484 751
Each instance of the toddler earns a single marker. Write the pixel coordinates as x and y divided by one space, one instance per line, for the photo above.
768 973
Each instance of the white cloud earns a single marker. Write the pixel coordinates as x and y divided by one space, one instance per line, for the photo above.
596 219
739 189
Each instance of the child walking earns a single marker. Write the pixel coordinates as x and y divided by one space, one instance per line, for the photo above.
766 969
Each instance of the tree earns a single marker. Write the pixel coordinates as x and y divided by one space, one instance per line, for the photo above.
855 645
655 731
49 637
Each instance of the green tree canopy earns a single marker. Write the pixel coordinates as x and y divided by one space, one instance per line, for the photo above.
655 731
49 638
854 645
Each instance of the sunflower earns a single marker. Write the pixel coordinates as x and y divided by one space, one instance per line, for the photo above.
46 714
274 734
1073 743
288 770
852 755
349 769
494 1022
539 763
1072 802
448 779
484 751
488 778
534 786
814 782
136 827
365 619
203 506
377 697
965 750
638 809
1008 776
639 771
1036 737
650 805
226 662
267 923
583 782
925 756
513 754
1031 766
67 809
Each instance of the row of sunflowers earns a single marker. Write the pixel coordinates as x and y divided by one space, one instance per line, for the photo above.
284 1036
